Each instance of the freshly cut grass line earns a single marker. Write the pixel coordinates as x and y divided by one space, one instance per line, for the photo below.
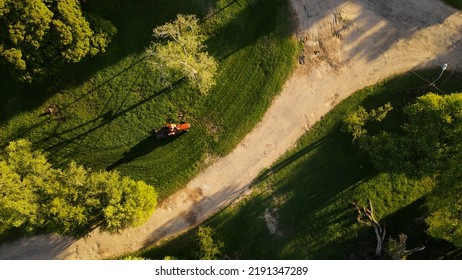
110 104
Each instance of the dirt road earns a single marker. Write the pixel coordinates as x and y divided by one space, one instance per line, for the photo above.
348 45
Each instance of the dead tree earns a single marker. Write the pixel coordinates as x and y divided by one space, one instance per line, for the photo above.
379 228
396 249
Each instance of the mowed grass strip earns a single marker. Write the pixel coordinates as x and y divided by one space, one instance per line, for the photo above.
110 104
309 192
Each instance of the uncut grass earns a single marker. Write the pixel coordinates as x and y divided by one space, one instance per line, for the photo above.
110 104
312 188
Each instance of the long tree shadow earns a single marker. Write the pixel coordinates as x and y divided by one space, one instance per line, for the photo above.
216 12
241 32
107 117
410 220
107 81
281 165
39 247
131 38
134 22
141 149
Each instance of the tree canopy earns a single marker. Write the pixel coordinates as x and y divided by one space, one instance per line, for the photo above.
429 143
72 201
178 53
445 219
38 35
354 123
435 131
207 247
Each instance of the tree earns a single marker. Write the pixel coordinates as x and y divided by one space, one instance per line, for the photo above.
17 200
127 202
23 174
354 123
445 219
72 201
208 248
429 143
396 248
181 54
435 131
435 125
379 228
36 36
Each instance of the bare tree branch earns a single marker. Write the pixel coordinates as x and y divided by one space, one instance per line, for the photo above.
379 229
396 249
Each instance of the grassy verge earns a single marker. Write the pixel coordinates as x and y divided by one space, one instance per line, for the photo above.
309 192
109 104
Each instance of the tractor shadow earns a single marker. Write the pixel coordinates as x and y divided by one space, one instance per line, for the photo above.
141 149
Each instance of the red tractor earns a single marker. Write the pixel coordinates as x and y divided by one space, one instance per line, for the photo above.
172 129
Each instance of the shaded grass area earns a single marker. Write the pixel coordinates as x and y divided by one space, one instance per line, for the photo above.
110 104
310 190
455 3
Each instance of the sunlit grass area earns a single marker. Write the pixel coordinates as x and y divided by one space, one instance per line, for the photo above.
310 191
109 105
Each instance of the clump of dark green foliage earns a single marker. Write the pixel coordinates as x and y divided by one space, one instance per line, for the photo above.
36 197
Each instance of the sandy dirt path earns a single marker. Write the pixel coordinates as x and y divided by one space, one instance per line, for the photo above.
348 45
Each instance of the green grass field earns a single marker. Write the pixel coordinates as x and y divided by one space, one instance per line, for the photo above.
311 189
109 104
